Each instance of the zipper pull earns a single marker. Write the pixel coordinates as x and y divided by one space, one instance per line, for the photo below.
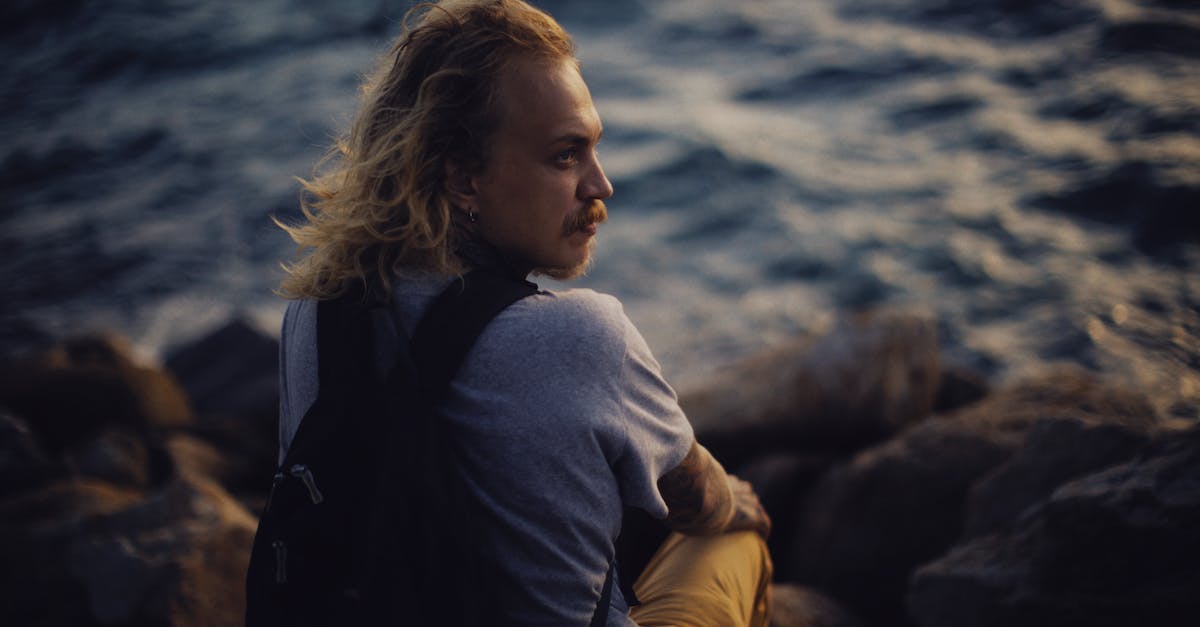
304 474
279 476
280 561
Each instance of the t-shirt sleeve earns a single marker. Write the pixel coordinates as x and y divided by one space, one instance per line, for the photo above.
561 417
298 383
658 435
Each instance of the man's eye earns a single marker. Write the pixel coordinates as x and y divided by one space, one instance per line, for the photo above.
566 156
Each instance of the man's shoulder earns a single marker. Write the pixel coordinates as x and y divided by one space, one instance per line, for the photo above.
573 318
579 307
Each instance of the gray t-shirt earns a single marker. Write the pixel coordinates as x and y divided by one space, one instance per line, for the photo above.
561 416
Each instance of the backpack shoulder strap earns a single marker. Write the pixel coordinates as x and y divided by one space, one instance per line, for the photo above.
454 321
340 343
447 332
600 615
425 364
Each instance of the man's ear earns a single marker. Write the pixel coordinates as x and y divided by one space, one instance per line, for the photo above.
458 183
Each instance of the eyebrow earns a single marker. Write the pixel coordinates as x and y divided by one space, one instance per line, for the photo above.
577 138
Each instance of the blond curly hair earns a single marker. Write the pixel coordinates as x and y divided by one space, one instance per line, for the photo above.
376 204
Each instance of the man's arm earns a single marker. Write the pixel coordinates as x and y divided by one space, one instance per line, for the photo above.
703 500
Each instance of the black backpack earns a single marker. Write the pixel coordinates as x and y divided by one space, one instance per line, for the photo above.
364 522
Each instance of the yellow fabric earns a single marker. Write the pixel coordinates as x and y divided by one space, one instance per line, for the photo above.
709 581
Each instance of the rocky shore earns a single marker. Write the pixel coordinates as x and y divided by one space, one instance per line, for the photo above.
905 491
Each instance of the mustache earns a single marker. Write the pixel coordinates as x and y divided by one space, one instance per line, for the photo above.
594 212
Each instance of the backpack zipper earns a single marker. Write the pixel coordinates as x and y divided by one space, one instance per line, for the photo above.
304 474
280 561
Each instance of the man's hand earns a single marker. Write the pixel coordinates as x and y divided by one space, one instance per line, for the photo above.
748 512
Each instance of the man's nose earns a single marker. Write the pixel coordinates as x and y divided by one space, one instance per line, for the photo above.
596 185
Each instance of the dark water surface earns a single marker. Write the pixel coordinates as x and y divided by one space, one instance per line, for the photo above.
1029 172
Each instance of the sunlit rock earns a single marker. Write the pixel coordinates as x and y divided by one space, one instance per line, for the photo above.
860 383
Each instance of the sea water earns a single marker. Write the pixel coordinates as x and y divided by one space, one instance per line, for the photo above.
1026 172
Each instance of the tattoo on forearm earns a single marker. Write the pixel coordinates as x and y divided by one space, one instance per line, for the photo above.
697 494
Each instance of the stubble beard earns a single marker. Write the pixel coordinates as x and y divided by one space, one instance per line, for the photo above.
594 213
573 272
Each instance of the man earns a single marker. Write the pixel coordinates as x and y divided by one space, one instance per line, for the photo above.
476 147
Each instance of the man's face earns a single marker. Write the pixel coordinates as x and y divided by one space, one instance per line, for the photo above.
540 195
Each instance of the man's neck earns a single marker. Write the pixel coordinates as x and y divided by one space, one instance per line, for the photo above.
482 255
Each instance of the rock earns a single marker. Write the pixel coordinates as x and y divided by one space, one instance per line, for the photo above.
67 406
196 457
248 479
92 410
231 371
859 384
869 522
159 396
119 457
798 606
23 463
102 529
249 447
232 377
84 553
1066 391
84 386
1054 451
36 529
1117 547
781 480
959 386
